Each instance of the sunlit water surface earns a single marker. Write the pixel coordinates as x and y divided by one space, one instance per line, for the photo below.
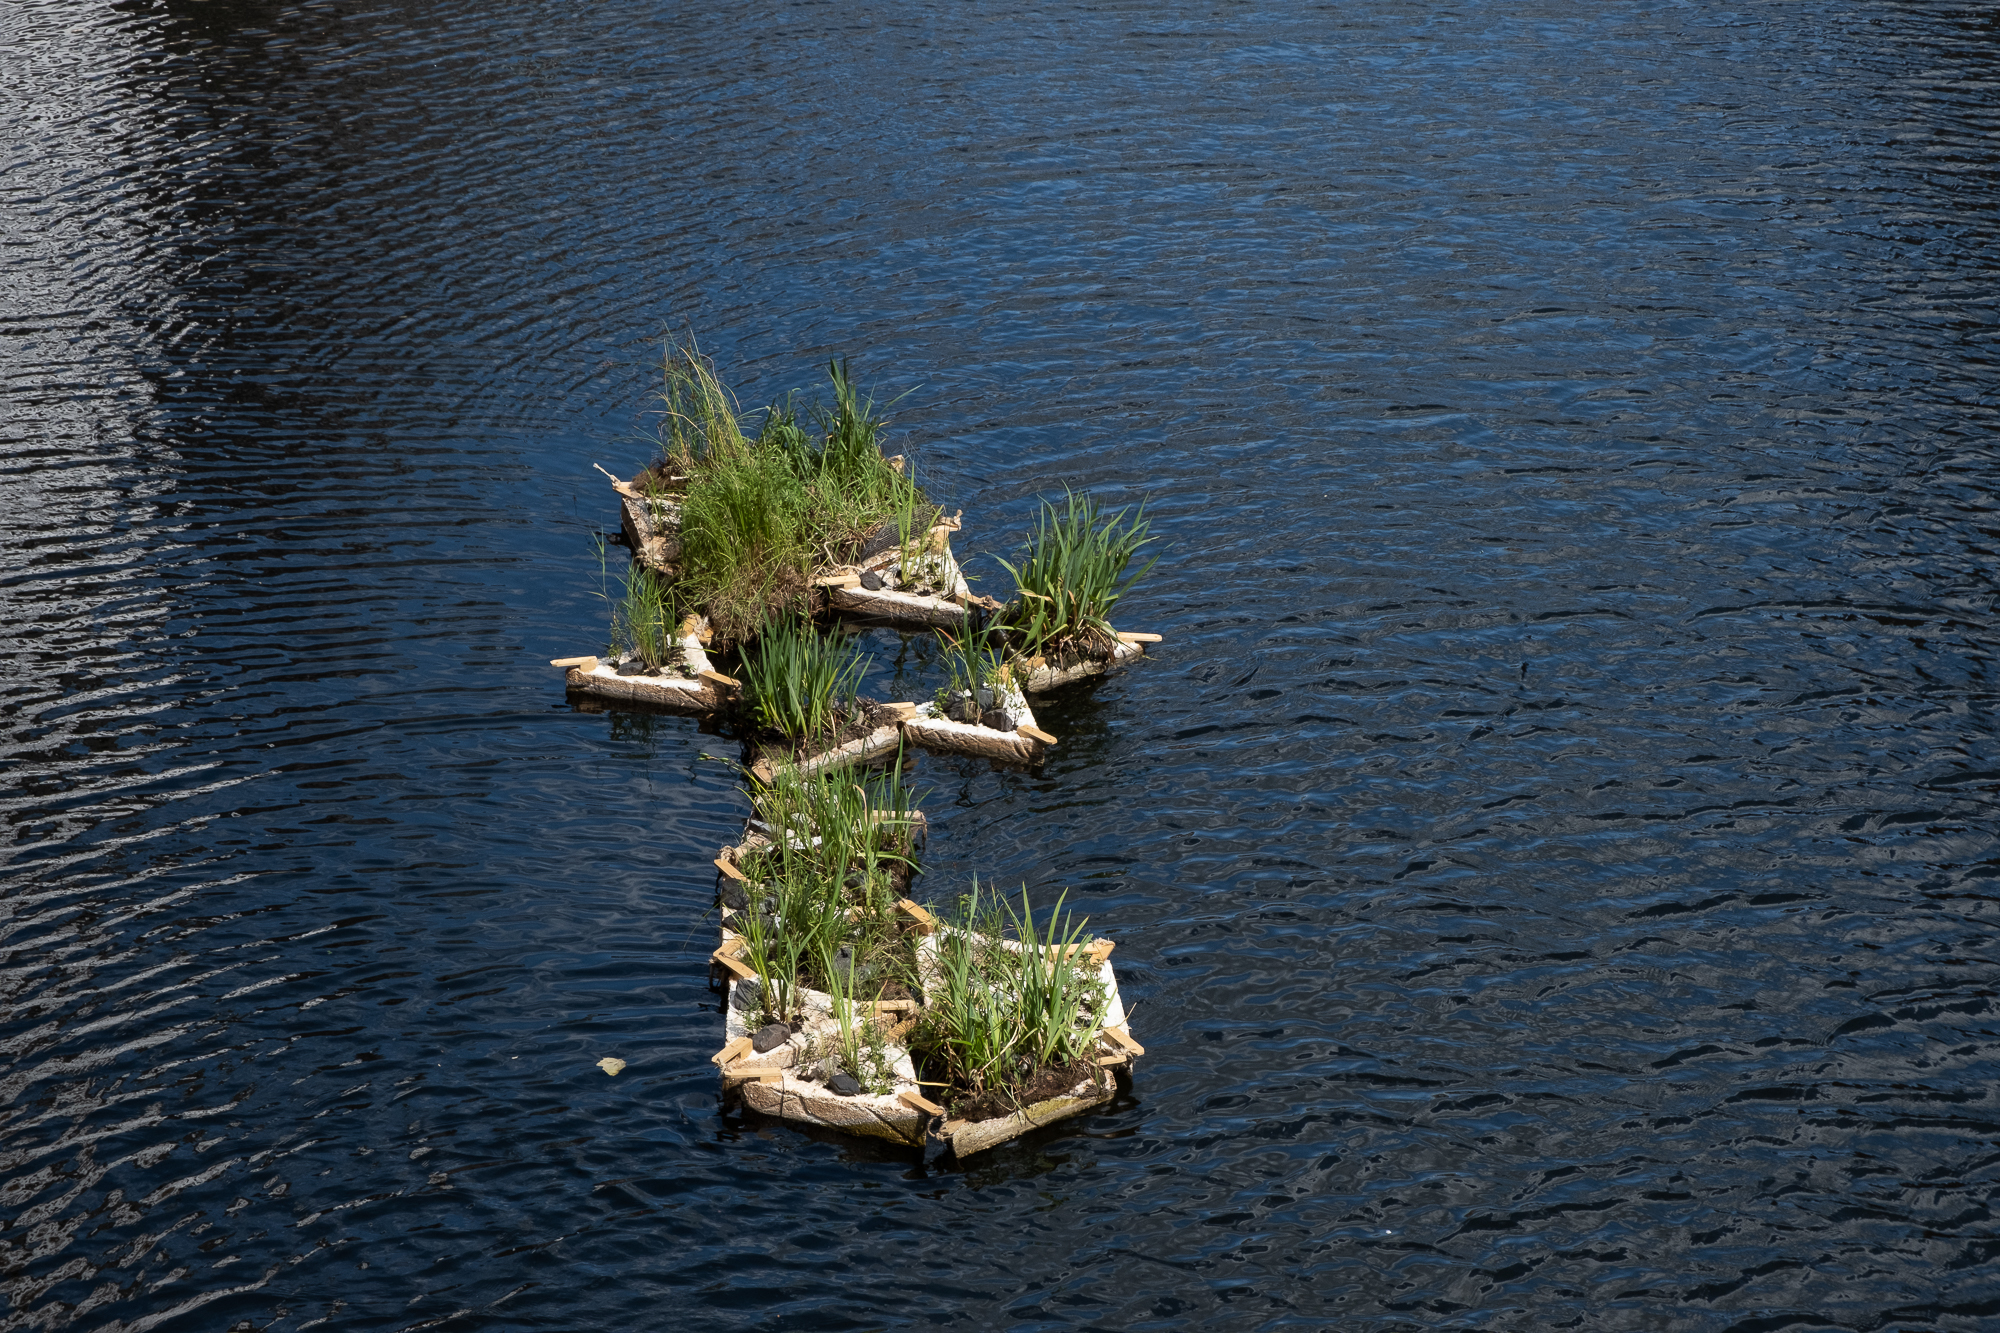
1552 854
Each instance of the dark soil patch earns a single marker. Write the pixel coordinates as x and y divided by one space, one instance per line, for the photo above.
1046 1082
1092 645
658 475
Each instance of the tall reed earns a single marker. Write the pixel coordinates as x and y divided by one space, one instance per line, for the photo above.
760 512
644 618
999 1010
1074 572
797 678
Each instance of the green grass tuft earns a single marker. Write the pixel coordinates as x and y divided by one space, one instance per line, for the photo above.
996 1010
1072 575
797 679
760 512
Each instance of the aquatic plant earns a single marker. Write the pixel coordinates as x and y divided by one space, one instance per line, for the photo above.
858 1047
999 1010
792 920
1072 575
759 512
644 618
797 678
856 831
971 662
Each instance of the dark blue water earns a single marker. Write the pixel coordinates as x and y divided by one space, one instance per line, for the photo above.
1553 854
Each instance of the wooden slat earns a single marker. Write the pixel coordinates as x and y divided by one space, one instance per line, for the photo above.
1138 638
916 1101
729 868
732 945
587 662
1120 1037
624 488
717 678
837 581
917 914
1036 734
733 1051
734 967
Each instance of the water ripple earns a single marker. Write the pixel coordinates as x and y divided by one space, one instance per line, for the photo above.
1551 855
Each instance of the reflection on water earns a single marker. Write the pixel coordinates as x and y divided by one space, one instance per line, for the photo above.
1551 854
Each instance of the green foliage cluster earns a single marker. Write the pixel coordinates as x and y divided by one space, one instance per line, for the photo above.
798 678
1072 575
970 660
999 1009
822 895
758 513
644 619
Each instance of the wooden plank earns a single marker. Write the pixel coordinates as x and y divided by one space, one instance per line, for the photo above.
729 868
1138 638
763 772
731 946
903 712
1036 733
899 607
837 581
968 1139
916 1101
1121 1038
733 967
669 692
733 1051
717 678
1101 949
877 742
926 923
890 1006
1041 676
624 488
585 663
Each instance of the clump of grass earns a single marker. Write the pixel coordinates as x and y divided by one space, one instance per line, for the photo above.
794 919
1000 1010
858 1047
799 680
843 827
759 512
1072 575
644 618
822 896
859 838
970 662
849 463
